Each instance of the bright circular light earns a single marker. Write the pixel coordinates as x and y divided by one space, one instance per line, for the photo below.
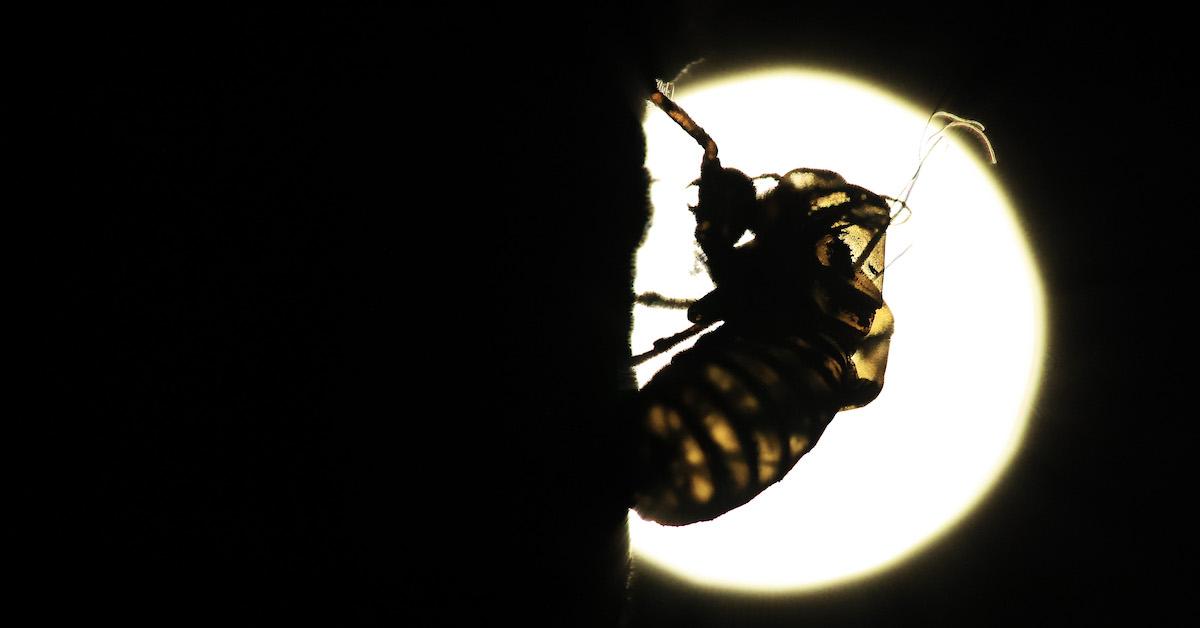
965 360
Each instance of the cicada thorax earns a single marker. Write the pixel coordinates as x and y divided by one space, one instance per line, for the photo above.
805 334
814 261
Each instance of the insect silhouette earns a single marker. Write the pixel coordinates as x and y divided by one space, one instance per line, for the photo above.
806 333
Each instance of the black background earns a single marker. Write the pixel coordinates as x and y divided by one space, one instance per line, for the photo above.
1080 531
311 265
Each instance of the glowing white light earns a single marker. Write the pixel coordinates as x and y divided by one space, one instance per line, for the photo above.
965 360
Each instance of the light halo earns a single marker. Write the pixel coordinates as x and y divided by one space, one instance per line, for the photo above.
888 479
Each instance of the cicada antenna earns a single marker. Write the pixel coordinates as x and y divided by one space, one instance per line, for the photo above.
903 208
912 181
974 127
662 101
894 260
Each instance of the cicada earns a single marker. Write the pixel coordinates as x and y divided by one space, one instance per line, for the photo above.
805 333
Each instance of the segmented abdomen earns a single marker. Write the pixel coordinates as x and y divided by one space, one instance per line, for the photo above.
729 417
